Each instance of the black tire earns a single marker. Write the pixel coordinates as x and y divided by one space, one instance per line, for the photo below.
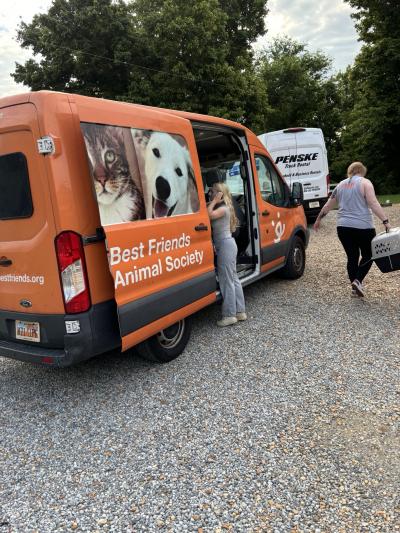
296 260
168 344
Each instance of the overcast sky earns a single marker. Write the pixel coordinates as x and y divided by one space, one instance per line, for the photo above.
322 24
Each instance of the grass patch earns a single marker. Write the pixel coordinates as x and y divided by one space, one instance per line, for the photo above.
394 198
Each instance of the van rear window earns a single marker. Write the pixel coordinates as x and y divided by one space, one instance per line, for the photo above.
15 191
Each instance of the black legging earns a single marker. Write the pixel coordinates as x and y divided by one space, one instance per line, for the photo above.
355 240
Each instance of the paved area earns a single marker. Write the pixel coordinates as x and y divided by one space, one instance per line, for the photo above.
286 423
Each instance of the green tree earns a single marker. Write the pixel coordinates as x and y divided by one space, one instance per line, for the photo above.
300 89
191 53
245 23
373 121
170 53
85 47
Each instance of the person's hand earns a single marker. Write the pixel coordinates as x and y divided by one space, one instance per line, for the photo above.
388 227
317 224
218 197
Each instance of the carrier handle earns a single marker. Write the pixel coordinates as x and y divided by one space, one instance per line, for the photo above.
386 231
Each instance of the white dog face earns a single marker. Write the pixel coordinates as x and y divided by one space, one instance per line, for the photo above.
170 176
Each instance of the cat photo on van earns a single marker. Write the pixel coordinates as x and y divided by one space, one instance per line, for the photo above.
118 195
170 187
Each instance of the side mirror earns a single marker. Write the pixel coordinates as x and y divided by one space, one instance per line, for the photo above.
297 195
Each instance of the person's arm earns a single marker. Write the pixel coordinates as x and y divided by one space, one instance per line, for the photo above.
330 204
373 203
215 213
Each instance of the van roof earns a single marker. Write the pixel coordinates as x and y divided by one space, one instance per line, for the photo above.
39 98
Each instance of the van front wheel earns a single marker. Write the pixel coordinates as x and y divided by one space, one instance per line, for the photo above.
296 260
168 344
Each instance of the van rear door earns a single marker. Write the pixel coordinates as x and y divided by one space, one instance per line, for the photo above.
29 279
312 165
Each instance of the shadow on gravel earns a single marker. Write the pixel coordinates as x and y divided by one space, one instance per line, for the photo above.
95 372
114 368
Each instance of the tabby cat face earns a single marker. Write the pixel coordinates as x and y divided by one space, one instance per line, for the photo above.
109 165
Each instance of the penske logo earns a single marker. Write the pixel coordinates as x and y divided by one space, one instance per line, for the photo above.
298 158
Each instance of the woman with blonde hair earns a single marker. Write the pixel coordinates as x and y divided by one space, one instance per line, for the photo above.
224 222
356 199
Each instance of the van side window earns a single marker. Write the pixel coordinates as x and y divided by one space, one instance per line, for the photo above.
139 174
15 190
273 189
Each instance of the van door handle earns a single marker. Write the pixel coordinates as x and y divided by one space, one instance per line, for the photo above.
90 239
201 227
5 262
265 213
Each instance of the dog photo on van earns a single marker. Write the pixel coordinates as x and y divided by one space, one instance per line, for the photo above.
117 190
168 183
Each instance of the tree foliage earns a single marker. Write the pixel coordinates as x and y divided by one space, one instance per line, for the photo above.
300 90
373 120
169 53
84 46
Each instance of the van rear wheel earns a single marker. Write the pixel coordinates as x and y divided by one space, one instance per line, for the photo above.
168 344
296 260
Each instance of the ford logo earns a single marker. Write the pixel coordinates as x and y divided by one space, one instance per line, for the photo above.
25 303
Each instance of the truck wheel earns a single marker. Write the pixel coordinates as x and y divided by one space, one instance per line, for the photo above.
296 260
167 344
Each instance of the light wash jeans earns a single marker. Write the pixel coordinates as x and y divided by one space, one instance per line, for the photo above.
229 284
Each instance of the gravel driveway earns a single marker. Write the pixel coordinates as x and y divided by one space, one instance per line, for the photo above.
286 423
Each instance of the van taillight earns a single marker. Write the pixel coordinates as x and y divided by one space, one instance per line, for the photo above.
73 274
328 180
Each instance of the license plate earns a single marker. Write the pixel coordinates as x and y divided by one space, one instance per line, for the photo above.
27 331
314 204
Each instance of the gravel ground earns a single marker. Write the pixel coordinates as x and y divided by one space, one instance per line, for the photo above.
286 423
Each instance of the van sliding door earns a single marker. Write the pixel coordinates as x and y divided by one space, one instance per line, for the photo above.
151 204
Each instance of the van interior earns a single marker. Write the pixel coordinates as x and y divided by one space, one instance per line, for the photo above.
222 160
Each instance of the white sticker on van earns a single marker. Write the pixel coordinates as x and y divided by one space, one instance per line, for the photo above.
45 145
22 278
279 228
161 262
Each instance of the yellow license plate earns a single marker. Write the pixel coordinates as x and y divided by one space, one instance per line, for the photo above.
27 331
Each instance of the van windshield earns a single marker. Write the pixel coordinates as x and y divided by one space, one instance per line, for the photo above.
15 191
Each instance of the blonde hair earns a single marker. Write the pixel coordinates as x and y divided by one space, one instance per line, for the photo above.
356 169
227 198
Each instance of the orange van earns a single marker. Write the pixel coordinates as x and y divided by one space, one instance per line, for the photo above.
105 241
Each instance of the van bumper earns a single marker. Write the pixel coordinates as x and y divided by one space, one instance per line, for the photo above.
99 333
312 212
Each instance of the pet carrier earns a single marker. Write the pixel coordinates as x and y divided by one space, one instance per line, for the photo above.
386 250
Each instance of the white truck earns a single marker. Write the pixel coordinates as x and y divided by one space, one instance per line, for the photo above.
300 155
